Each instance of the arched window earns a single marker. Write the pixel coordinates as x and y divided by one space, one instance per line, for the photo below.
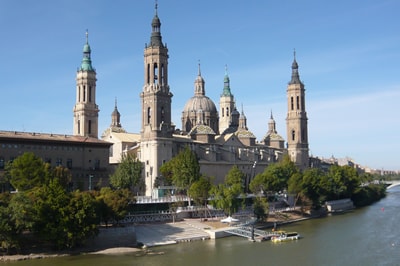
155 72
293 135
298 102
84 93
90 127
79 127
291 103
222 112
227 111
148 74
148 115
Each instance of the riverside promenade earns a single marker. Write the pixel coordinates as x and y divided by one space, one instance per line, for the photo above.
171 233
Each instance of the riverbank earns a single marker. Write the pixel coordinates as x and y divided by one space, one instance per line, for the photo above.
117 241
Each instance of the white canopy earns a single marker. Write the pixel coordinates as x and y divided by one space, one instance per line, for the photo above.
229 219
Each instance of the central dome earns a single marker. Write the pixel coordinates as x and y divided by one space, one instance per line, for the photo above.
199 109
197 103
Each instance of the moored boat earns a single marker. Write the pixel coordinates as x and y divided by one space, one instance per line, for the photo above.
285 237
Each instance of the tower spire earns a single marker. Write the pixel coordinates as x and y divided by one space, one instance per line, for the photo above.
199 70
295 71
86 64
156 39
227 89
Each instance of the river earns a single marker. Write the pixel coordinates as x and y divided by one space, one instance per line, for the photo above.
366 236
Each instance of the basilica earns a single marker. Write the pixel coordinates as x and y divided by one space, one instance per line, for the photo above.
218 135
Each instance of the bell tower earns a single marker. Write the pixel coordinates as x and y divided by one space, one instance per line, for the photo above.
86 111
156 129
226 104
296 120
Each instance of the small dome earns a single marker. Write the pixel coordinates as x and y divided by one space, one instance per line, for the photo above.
202 129
200 102
244 133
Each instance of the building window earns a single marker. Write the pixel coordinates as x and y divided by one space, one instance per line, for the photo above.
148 73
79 127
90 93
298 102
59 162
1 162
291 103
47 160
69 163
90 126
84 93
97 164
155 73
148 115
293 135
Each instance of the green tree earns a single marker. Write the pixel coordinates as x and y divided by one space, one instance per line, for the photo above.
295 186
340 182
82 219
200 190
115 203
312 186
275 177
128 173
183 169
51 213
63 175
27 171
261 208
226 195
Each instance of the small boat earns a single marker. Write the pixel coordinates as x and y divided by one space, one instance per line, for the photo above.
285 237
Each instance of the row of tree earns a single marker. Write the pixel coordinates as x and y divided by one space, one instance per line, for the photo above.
311 187
46 209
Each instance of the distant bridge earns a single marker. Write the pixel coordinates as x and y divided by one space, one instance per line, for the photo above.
391 184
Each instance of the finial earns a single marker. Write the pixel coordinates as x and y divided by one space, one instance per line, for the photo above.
199 69
87 36
272 117
226 69
156 6
294 53
115 102
242 109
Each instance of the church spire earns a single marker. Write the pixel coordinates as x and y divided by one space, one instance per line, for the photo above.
115 116
295 71
227 90
156 39
86 60
199 85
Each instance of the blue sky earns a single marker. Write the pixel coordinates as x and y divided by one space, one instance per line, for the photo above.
348 53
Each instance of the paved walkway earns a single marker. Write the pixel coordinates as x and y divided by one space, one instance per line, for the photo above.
170 233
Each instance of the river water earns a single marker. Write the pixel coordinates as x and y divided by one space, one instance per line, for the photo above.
367 236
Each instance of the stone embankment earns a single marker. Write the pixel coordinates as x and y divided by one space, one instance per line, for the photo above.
126 239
